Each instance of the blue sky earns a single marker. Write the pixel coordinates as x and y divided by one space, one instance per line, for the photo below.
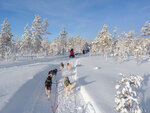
81 17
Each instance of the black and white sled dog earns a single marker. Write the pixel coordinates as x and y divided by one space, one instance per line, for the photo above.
53 72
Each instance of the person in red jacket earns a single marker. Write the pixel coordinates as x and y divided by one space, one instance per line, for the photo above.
71 53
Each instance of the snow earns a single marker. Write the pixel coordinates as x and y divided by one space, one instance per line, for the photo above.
22 85
100 84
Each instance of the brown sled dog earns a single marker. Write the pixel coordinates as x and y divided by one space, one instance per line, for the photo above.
68 85
61 66
69 66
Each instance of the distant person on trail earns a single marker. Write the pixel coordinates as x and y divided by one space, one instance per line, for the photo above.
83 51
71 53
48 84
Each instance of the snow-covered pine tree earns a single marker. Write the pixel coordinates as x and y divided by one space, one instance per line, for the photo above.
2 54
94 49
126 98
115 39
6 40
56 46
131 34
124 47
50 48
17 45
136 48
44 27
129 44
115 36
146 29
86 46
45 42
79 44
102 42
37 34
16 48
124 35
46 46
145 45
63 41
26 47
60 43
70 44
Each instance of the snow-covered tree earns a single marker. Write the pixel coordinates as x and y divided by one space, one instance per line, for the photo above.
130 34
115 39
145 45
115 36
123 35
27 46
46 46
124 47
44 28
86 46
70 43
63 41
136 49
126 98
146 29
17 45
15 50
56 46
60 43
5 40
45 43
50 48
2 53
77 43
37 34
102 42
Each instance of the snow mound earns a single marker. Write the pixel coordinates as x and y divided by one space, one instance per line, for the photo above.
96 68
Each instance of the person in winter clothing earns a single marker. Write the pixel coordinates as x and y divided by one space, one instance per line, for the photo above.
68 85
83 51
48 84
71 53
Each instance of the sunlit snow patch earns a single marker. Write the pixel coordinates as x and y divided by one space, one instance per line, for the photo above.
29 78
96 68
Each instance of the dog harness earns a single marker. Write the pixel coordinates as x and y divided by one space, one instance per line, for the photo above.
48 82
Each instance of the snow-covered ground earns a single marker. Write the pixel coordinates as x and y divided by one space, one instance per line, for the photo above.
22 85
97 78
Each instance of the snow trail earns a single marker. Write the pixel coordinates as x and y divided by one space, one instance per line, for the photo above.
31 98
74 103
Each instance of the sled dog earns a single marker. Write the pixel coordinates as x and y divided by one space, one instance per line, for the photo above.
53 72
48 84
61 66
69 66
68 85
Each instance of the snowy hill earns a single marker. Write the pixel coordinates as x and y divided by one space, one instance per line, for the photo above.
22 85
